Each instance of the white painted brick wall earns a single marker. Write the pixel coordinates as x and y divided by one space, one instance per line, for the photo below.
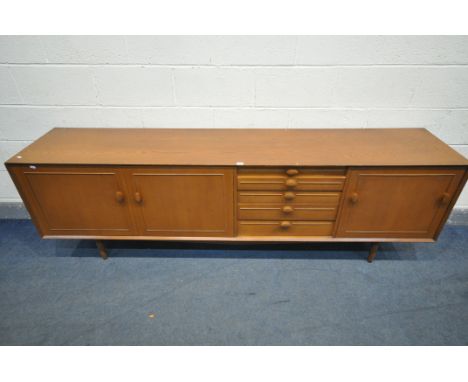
133 86
8 90
381 50
85 49
214 86
54 85
231 81
363 87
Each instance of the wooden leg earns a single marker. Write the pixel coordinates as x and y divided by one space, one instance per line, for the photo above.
102 249
372 252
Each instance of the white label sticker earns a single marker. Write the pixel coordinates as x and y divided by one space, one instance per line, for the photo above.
239 163
32 167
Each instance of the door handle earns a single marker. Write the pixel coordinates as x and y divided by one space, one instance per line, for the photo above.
119 196
354 197
445 198
138 197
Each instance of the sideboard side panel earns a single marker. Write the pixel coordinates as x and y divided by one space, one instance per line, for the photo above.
16 173
457 193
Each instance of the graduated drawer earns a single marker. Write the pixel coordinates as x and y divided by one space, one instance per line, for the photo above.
279 228
303 179
317 199
285 212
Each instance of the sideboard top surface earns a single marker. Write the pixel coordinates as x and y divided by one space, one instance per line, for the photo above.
249 147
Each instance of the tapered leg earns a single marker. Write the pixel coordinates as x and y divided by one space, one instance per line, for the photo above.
372 252
102 249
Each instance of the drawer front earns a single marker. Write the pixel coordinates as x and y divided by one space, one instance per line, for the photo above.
317 199
310 179
292 171
281 183
279 228
285 212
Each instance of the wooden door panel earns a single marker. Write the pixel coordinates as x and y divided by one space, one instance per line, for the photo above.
183 201
74 201
396 202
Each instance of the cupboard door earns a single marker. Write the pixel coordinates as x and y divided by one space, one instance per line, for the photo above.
405 203
76 201
183 201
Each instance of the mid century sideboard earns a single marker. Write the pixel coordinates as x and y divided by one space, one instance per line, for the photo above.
232 185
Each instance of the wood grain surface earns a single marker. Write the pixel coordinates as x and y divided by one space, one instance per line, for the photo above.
397 202
240 184
231 147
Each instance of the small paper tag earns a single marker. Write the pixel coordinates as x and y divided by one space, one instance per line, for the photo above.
239 163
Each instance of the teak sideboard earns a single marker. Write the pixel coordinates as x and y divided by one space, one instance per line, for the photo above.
254 185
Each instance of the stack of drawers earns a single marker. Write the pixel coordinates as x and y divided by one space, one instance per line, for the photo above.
288 201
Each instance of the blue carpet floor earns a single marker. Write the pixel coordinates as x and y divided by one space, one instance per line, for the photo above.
149 293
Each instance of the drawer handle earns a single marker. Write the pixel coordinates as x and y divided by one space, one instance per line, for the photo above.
119 196
285 225
289 195
445 198
138 197
354 197
292 172
291 183
288 209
